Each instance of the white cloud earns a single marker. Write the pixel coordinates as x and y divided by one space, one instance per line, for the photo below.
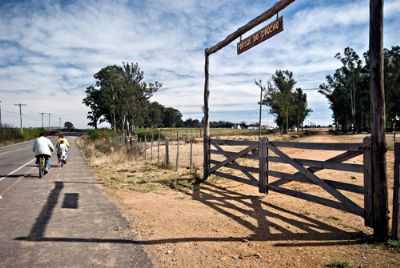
54 50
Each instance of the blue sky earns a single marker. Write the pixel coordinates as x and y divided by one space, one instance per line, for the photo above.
49 51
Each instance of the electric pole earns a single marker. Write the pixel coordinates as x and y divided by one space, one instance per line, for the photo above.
262 89
49 119
42 114
59 122
1 125
20 115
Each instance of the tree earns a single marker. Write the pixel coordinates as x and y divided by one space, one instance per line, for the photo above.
120 96
347 90
68 125
172 118
300 107
289 107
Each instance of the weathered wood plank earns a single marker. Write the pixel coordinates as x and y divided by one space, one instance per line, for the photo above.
320 146
368 190
378 140
396 193
238 167
287 177
315 199
250 25
206 123
339 196
236 178
233 142
262 163
322 164
232 158
227 153
246 172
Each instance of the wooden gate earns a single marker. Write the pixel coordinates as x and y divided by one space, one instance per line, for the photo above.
305 170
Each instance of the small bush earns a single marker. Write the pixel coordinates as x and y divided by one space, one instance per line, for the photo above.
394 244
10 134
95 134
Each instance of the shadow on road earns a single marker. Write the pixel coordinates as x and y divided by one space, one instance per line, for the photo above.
249 211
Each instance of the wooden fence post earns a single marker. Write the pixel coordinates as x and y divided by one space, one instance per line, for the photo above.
166 153
206 123
145 147
177 151
151 146
262 187
191 156
158 147
368 184
396 191
378 140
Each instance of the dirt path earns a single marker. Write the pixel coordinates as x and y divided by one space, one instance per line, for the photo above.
227 224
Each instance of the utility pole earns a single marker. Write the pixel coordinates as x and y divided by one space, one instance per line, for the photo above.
262 89
42 114
20 115
1 125
49 119
378 142
59 122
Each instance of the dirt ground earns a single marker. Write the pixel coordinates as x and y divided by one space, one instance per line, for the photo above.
222 223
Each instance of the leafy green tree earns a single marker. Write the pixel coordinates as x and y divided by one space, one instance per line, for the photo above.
172 117
120 97
68 125
289 107
347 90
300 107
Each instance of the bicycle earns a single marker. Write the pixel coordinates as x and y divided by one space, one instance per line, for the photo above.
42 165
63 160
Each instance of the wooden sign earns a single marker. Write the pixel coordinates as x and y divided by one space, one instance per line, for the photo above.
258 37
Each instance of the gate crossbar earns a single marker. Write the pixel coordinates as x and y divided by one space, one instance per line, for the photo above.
316 180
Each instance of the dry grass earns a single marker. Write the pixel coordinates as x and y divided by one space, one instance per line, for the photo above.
124 168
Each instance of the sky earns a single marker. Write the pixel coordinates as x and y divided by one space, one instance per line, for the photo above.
50 49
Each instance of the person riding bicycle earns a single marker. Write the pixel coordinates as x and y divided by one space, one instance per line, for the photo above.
62 138
62 151
43 147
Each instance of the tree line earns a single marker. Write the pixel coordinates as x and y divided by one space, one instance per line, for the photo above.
347 90
121 97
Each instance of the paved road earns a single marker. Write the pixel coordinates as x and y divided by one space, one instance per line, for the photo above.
62 220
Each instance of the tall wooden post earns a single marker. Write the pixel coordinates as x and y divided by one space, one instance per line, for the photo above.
191 156
145 147
177 152
378 142
151 146
206 124
396 192
368 184
166 153
158 147
262 148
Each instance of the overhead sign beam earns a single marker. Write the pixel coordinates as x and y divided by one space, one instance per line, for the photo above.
260 36
250 25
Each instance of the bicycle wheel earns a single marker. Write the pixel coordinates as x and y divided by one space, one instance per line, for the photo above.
41 166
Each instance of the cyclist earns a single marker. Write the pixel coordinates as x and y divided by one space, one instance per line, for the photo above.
62 150
43 147
62 140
